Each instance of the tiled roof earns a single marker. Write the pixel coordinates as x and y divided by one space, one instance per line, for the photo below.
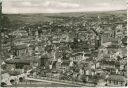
65 63
112 46
22 59
116 78
23 46
18 61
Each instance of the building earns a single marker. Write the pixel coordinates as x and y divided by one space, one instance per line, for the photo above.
107 61
79 56
108 48
20 50
18 64
112 48
20 33
44 61
64 65
89 77
115 80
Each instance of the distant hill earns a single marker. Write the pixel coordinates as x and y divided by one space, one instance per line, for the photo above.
21 19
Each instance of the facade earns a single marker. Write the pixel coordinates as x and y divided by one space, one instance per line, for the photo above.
18 65
115 80
20 50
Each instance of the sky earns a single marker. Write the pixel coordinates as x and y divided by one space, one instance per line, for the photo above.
60 6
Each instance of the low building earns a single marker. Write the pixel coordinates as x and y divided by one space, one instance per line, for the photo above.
107 61
20 50
65 64
90 77
115 80
17 64
112 48
76 57
20 33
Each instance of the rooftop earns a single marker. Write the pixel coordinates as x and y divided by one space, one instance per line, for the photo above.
18 61
81 53
117 78
23 46
65 63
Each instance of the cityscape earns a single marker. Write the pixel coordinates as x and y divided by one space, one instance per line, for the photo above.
64 49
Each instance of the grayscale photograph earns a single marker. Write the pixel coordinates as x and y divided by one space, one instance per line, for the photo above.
63 43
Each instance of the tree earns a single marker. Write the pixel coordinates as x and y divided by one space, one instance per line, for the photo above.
3 84
12 81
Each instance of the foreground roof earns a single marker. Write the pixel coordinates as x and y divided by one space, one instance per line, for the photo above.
116 78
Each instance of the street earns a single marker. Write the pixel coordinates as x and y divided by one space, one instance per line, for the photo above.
42 84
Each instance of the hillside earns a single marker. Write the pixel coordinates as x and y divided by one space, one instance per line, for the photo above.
21 19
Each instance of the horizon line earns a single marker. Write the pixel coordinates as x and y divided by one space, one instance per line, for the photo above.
68 12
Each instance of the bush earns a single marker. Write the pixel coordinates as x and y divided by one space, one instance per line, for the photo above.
21 79
12 81
3 84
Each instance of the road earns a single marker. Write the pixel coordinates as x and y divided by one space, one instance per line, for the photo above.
32 82
39 82
42 84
